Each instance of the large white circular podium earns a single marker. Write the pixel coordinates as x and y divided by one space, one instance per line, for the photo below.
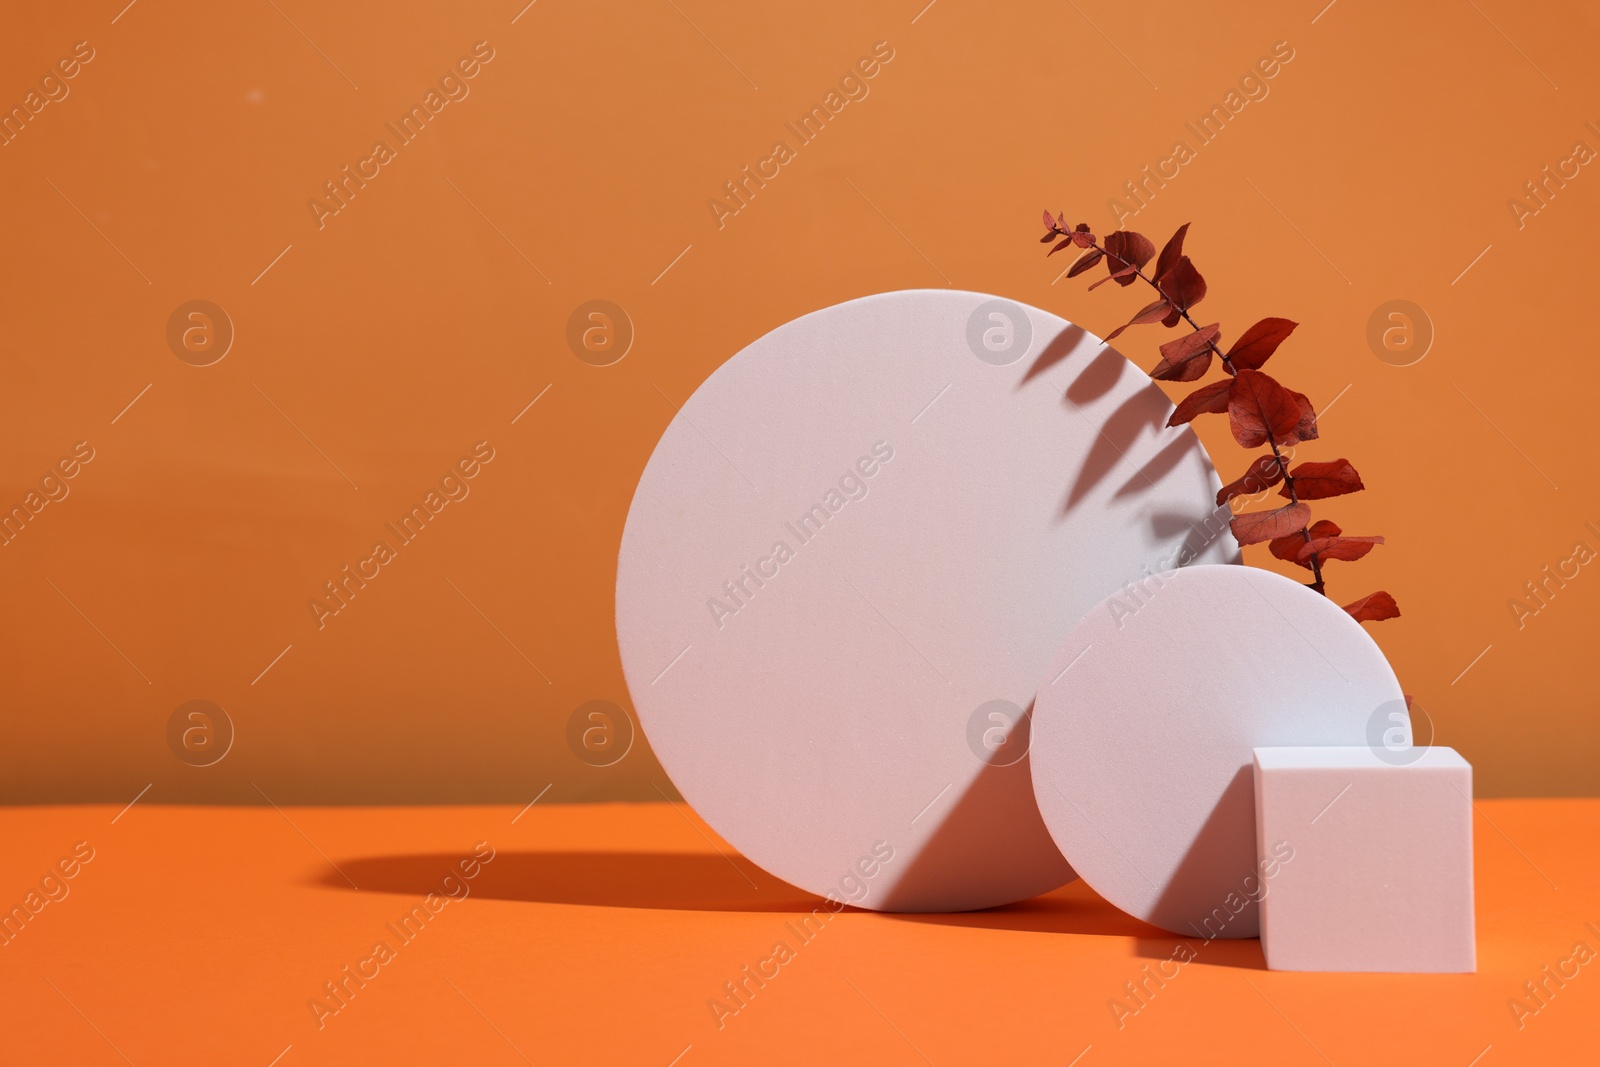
851 558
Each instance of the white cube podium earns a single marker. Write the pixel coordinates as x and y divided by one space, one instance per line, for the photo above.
1372 859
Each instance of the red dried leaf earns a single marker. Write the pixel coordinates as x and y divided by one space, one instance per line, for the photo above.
1081 236
1127 249
1264 473
1188 370
1256 345
1152 312
1260 409
1188 357
1048 221
1345 548
1063 243
1173 318
1201 340
1317 481
1170 253
1088 260
1374 607
1256 526
1207 400
1288 548
1306 428
1183 285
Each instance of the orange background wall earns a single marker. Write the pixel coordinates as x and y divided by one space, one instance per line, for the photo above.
433 307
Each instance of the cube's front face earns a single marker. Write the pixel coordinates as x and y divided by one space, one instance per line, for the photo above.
1367 865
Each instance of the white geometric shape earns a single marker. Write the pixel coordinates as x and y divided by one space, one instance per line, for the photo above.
1381 872
1145 722
955 479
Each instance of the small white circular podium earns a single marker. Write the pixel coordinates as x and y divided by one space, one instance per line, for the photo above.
1145 721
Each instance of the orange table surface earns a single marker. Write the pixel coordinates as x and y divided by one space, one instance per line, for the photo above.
608 934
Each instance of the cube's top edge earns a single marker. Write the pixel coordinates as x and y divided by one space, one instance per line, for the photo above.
1428 757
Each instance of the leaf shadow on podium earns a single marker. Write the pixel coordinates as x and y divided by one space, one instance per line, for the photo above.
1143 412
1201 533
1055 350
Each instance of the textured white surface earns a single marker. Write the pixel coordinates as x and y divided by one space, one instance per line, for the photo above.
1381 874
992 479
1146 719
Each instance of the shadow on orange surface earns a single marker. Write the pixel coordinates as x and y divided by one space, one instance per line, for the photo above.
1072 909
1077 909
651 880
666 881
1244 952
